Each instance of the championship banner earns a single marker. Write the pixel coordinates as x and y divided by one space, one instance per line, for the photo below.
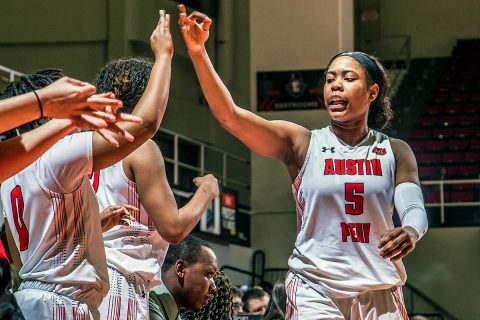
290 90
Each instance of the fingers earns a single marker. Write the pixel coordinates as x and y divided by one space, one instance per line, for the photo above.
166 27
105 134
125 117
182 19
396 244
85 89
101 101
205 21
113 128
130 207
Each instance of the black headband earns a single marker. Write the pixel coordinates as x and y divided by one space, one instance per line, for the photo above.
367 63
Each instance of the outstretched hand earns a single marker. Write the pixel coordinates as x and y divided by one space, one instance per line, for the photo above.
161 38
194 28
115 214
397 243
76 100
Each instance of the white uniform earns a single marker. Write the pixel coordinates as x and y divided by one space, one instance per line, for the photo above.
53 214
135 252
344 199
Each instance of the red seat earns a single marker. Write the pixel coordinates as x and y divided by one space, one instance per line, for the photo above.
472 156
442 133
417 146
448 120
433 109
435 145
434 197
466 132
426 172
474 144
429 158
459 97
454 108
468 120
468 171
424 133
452 157
427 121
461 196
458 144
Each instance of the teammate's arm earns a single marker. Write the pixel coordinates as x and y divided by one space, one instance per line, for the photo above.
173 224
399 242
65 98
282 140
19 152
151 106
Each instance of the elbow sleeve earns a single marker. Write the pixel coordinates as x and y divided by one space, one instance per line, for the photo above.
410 207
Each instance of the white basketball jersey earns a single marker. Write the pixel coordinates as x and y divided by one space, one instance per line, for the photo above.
53 214
344 199
136 247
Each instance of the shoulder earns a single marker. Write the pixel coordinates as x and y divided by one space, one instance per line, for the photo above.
405 162
401 149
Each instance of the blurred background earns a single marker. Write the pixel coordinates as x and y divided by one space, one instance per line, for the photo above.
432 52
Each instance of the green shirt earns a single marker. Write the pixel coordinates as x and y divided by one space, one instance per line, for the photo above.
162 306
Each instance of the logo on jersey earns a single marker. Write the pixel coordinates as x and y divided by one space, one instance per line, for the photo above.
331 149
353 167
379 151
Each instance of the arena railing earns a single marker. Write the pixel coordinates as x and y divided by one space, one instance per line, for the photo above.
442 204
227 159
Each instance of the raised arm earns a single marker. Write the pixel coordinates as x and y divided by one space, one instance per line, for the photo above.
399 242
151 106
173 224
282 140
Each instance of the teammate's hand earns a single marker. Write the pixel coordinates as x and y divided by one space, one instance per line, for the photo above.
397 243
208 184
67 98
161 39
115 215
194 28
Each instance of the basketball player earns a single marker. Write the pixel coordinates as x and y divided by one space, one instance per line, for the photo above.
347 179
53 214
135 249
66 98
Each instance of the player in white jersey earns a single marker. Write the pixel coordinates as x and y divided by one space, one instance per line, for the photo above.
347 179
65 98
135 249
53 214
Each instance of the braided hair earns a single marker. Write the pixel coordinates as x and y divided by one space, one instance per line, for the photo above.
126 78
219 308
28 83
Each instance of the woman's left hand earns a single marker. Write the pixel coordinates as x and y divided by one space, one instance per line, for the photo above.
115 215
397 243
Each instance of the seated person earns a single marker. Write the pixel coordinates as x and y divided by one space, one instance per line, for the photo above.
255 301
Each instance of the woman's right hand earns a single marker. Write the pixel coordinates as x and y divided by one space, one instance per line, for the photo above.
161 38
194 33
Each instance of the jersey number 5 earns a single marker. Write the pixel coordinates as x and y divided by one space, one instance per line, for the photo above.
354 198
16 199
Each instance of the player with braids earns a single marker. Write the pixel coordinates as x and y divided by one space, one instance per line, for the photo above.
53 220
219 307
347 180
135 249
